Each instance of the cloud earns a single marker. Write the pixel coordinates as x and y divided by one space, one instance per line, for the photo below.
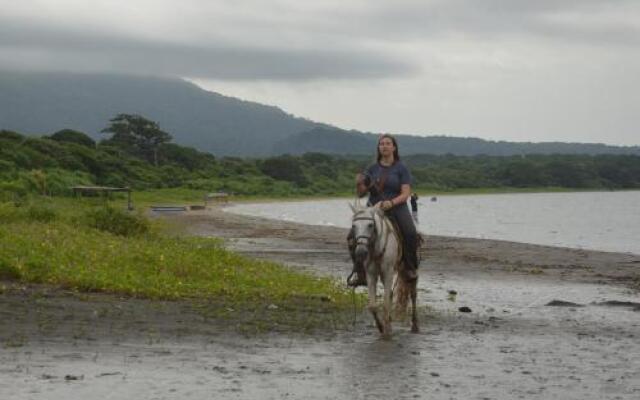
294 41
38 46
540 70
584 21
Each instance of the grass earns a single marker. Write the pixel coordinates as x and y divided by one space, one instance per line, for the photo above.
190 196
167 196
55 243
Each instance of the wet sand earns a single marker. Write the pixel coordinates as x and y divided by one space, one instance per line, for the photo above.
544 323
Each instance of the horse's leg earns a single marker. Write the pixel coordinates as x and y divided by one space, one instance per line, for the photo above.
414 309
372 280
388 299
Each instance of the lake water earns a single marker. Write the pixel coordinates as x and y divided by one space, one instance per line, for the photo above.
608 221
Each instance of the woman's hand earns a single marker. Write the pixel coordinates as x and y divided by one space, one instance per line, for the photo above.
361 186
386 205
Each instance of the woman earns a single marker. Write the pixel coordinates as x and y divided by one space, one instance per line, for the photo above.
388 183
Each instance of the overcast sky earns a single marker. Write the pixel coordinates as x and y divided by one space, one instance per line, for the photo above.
543 70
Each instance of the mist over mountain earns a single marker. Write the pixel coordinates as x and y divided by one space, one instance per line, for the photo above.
43 103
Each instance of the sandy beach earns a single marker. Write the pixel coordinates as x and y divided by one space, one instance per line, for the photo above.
545 323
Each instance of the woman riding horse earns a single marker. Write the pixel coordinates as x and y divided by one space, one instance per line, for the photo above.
388 183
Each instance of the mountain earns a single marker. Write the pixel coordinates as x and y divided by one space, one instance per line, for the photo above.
331 140
39 103
327 140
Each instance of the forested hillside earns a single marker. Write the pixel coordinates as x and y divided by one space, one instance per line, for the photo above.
337 141
137 153
41 104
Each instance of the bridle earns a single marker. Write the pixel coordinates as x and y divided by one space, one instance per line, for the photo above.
370 241
366 239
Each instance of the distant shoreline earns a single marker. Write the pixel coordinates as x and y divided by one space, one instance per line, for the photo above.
611 232
425 193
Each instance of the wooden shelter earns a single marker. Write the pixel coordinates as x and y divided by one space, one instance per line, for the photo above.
218 197
102 191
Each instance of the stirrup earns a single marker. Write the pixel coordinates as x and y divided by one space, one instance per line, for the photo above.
357 280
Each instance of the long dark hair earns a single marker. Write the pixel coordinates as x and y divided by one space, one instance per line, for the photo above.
396 156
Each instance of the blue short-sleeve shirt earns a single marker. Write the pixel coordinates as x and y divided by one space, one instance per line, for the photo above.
396 176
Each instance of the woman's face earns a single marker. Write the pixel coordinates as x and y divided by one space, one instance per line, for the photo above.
386 147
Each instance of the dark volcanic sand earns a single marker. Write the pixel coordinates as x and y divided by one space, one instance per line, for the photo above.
544 323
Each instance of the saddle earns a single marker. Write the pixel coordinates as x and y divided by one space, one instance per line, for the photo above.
358 269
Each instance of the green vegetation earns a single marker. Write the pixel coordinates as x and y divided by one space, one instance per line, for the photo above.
575 172
85 246
146 161
51 167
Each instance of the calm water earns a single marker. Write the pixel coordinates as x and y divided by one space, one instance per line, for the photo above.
608 221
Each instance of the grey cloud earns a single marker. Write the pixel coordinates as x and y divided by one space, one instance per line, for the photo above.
99 51
497 19
333 43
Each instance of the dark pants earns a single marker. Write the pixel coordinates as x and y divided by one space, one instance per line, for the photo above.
403 219
401 216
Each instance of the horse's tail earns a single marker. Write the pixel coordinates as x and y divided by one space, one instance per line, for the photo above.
419 245
402 295
403 289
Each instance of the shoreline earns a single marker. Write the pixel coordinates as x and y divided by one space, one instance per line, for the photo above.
267 236
569 242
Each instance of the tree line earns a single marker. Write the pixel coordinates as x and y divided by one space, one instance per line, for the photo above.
137 153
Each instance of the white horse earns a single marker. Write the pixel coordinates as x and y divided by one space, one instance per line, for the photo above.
379 249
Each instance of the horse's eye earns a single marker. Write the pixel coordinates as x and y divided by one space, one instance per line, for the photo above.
370 225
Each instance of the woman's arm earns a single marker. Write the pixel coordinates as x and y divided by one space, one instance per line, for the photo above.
405 192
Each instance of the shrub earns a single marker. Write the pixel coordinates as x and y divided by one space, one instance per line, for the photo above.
11 135
285 168
8 213
13 191
116 221
41 213
8 272
71 136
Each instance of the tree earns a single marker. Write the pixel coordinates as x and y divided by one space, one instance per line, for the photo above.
69 135
138 135
285 168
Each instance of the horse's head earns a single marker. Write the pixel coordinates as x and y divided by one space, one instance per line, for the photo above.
363 225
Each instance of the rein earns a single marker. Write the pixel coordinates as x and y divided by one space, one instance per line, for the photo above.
385 224
370 240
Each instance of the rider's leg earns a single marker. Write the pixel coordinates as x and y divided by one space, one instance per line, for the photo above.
357 277
403 218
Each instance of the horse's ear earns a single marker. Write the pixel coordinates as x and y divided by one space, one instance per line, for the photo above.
352 208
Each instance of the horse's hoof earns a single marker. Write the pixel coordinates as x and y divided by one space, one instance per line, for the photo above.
357 280
415 329
410 275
